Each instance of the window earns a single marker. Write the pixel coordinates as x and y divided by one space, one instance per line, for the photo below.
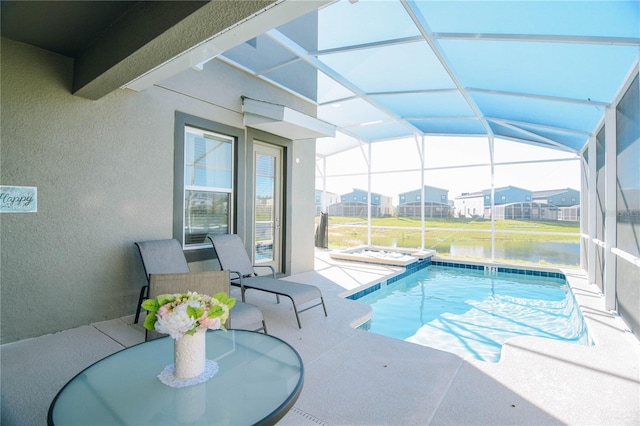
503 198
417 198
528 198
208 178
443 198
204 179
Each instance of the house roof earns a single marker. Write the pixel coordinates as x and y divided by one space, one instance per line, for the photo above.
425 187
551 192
485 192
363 191
504 188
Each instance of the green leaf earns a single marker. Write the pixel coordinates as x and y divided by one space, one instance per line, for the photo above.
163 299
223 298
215 312
231 302
150 321
151 305
195 312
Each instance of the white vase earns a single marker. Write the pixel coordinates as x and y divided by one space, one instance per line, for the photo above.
190 355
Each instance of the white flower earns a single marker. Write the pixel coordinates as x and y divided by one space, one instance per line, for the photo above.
175 323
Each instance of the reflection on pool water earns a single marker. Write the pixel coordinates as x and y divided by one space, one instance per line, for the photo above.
473 312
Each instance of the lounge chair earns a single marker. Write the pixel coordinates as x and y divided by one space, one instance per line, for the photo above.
166 257
233 257
211 283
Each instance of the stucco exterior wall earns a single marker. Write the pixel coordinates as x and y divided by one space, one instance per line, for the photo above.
302 205
104 173
469 206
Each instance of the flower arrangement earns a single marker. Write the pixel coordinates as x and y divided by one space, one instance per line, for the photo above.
180 314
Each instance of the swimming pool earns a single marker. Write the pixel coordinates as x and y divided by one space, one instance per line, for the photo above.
473 312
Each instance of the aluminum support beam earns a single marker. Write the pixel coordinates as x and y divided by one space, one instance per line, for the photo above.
610 221
591 246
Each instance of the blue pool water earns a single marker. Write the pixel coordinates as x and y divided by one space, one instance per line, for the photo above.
473 312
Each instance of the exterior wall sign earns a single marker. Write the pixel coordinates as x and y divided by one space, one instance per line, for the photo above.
18 199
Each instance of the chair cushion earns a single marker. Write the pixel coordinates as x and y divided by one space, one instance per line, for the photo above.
162 257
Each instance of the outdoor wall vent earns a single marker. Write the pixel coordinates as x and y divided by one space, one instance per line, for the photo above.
283 121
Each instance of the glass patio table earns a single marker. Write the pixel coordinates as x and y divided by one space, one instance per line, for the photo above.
259 379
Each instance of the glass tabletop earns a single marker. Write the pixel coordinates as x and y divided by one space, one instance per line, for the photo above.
259 379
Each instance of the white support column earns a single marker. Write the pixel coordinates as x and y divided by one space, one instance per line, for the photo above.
367 159
584 197
422 224
369 196
610 221
493 202
591 245
323 204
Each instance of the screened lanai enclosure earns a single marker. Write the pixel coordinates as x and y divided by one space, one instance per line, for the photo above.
479 129
485 107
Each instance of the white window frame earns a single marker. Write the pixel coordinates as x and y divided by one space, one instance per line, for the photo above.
209 189
237 136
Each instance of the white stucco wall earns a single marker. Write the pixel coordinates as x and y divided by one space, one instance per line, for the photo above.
104 173
470 206
303 207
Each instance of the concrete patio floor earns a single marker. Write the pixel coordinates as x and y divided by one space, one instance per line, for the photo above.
353 377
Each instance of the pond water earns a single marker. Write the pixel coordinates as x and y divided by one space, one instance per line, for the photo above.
554 253
536 252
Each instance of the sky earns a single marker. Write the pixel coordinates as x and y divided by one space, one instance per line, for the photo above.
346 171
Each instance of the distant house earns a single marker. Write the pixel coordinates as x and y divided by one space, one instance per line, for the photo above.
510 203
507 195
324 199
436 203
478 204
469 204
558 197
355 204
516 203
566 201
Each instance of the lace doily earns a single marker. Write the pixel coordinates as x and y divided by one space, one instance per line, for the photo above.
168 378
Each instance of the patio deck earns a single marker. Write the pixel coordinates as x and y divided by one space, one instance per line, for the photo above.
355 377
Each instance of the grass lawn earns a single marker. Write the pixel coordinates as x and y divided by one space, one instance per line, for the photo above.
406 232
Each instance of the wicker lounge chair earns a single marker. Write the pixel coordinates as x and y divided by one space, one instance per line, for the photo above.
166 257
233 257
